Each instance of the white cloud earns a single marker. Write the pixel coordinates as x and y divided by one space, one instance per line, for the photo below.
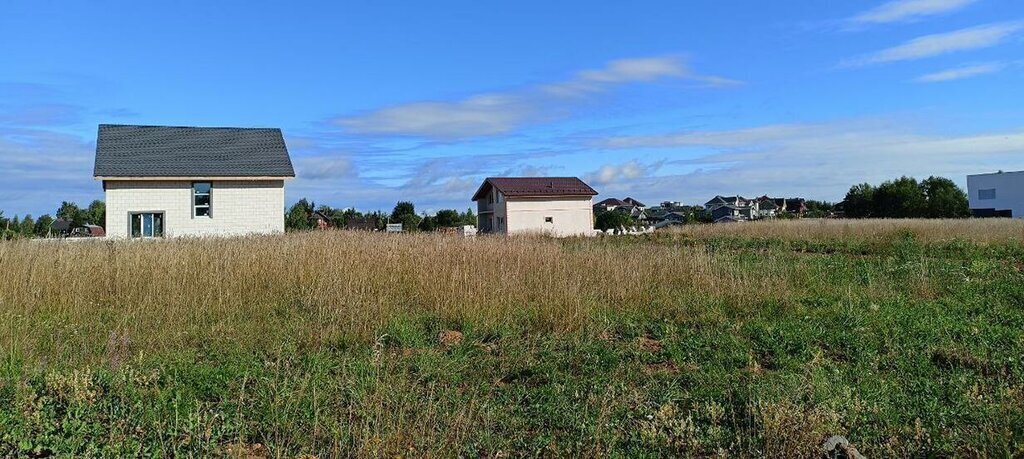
904 10
977 37
42 168
486 114
611 174
815 160
499 113
962 72
323 167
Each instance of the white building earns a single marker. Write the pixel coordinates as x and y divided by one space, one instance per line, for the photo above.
999 194
559 206
163 181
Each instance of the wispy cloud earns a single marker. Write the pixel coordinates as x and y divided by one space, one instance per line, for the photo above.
906 10
977 37
816 160
962 72
502 112
324 167
42 166
611 174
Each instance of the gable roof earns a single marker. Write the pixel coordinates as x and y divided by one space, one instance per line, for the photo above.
726 199
715 199
634 202
611 202
535 186
179 151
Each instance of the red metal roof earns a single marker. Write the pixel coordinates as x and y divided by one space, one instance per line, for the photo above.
535 186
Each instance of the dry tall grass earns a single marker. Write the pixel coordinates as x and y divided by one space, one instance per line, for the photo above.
614 345
993 230
68 301
177 293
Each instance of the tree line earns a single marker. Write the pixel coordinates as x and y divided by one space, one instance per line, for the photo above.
27 227
905 197
300 217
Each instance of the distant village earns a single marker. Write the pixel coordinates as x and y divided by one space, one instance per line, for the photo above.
181 181
720 209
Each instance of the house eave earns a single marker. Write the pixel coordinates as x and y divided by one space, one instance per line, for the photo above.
548 196
192 178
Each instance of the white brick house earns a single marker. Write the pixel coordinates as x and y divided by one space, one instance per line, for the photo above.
163 181
558 206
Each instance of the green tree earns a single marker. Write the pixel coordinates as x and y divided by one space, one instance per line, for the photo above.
612 220
27 227
859 201
944 199
468 217
405 213
447 218
403 208
342 218
42 228
900 198
428 223
297 218
69 211
818 209
96 213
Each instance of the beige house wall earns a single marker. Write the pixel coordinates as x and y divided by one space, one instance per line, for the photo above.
238 207
570 215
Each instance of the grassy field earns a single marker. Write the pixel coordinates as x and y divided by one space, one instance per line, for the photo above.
907 337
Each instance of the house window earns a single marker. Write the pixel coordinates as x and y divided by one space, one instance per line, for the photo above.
501 223
201 193
549 219
147 224
987 194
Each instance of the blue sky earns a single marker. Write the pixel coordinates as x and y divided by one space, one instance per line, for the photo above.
419 101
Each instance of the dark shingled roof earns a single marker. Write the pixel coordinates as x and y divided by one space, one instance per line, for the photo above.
611 202
177 151
535 186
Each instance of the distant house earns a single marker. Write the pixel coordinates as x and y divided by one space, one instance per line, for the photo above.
559 206
629 206
320 220
766 207
635 203
637 213
608 204
88 231
60 228
735 207
66 228
999 194
731 211
362 224
718 201
657 213
796 206
192 181
678 217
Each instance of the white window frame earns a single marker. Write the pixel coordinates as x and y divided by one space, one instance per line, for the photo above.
982 196
153 214
209 204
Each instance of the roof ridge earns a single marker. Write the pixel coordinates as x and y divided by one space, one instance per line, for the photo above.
182 127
